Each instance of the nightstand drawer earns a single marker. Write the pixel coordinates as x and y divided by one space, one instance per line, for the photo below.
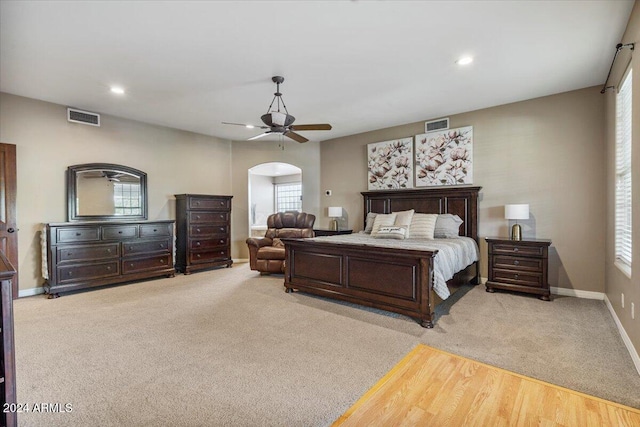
518 263
518 277
516 249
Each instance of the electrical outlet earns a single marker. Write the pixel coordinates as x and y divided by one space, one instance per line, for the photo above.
633 311
622 300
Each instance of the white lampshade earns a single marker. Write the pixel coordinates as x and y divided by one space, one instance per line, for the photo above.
335 211
516 211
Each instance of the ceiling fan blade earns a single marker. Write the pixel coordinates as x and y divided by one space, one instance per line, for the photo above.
259 136
245 125
319 126
295 136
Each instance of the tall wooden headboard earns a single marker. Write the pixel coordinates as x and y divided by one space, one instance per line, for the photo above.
461 201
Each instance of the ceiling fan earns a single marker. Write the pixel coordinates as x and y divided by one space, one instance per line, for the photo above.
281 122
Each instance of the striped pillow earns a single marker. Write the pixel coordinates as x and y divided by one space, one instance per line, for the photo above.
382 220
422 226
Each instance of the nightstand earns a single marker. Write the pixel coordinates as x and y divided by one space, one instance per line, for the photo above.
519 265
324 232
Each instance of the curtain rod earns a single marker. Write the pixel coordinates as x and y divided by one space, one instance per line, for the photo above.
619 47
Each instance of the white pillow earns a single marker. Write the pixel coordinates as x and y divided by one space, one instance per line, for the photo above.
403 218
382 220
422 226
391 232
371 216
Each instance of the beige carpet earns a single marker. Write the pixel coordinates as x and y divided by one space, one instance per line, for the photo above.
229 347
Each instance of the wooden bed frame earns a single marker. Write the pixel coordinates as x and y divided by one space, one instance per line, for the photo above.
396 280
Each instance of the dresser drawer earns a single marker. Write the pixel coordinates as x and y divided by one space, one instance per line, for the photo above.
135 248
146 264
119 232
88 252
518 277
209 203
515 249
221 243
78 234
208 230
208 255
518 263
88 271
156 230
209 218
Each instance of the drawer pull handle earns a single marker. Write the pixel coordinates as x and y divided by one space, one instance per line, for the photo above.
131 265
516 262
78 234
155 230
221 203
221 228
515 249
221 216
197 243
197 203
198 256
70 274
197 216
221 240
109 268
516 276
120 232
197 230
108 251
161 245
68 253
162 261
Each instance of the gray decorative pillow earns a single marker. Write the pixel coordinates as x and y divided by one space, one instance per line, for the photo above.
447 226
371 216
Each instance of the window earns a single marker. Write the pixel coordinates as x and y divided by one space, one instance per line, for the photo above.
623 175
289 197
126 199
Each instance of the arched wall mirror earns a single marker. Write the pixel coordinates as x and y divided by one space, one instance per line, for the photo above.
104 191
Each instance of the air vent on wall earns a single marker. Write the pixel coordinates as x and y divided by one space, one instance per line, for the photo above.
435 125
84 117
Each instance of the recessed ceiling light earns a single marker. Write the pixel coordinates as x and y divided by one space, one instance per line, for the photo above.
117 90
465 60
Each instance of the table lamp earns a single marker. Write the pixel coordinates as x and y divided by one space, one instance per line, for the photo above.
335 212
516 212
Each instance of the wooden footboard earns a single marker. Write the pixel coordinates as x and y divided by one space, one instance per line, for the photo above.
400 281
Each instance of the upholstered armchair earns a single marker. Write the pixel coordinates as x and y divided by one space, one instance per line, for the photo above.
266 254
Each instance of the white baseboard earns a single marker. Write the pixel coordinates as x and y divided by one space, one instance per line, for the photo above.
578 293
30 292
240 260
625 338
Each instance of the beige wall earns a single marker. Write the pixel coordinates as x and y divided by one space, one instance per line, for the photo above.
247 154
617 282
547 152
175 162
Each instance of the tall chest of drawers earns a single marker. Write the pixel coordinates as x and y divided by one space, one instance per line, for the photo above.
519 265
87 254
203 232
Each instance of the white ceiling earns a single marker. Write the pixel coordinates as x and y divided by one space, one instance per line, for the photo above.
359 65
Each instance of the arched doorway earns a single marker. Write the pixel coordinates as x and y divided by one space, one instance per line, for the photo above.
273 187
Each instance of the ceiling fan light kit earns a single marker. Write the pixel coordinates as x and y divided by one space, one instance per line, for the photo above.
281 122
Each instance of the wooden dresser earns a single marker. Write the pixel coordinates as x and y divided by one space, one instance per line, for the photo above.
87 254
7 352
203 232
520 265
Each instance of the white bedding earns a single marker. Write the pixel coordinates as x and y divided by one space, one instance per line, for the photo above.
453 254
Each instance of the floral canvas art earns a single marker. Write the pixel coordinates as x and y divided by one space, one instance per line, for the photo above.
390 164
444 157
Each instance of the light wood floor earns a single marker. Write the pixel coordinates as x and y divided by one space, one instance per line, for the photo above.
430 387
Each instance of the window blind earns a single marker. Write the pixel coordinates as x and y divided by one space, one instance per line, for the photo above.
623 243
